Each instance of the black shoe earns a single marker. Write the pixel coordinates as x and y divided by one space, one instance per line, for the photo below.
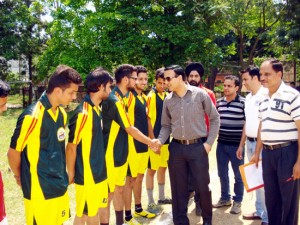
207 223
198 209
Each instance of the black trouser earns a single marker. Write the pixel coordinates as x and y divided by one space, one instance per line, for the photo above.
185 159
282 193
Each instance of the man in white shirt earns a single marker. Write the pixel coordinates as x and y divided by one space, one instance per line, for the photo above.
251 80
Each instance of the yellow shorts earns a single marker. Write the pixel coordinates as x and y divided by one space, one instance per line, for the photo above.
91 197
116 176
142 159
161 160
47 212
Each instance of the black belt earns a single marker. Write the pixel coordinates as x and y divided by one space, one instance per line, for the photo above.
273 147
251 139
190 142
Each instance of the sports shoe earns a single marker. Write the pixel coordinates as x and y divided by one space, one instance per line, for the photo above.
236 208
165 201
145 214
131 222
153 208
222 203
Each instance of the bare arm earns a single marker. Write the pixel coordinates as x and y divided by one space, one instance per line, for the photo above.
70 160
139 136
150 129
14 161
239 152
258 148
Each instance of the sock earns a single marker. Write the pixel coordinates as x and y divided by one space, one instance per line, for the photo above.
119 217
128 215
150 196
161 192
138 208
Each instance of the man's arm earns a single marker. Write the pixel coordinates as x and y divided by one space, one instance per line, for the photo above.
258 148
139 136
296 169
150 129
14 161
239 152
70 161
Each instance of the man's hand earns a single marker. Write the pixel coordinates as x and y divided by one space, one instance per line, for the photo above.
239 153
71 178
207 147
155 146
296 170
18 180
255 159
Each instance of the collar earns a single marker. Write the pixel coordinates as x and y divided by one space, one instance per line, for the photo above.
116 89
45 101
279 91
87 98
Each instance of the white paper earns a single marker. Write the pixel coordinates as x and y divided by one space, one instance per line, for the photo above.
253 175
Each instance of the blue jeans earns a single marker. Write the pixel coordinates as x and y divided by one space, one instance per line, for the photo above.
225 154
260 204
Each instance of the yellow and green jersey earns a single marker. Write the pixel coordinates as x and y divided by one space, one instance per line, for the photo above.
155 101
115 121
137 113
86 132
40 137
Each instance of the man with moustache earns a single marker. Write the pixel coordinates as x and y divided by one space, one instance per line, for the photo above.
183 117
194 72
278 139
232 116
116 127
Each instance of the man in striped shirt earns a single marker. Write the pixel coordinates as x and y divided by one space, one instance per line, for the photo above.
231 110
278 136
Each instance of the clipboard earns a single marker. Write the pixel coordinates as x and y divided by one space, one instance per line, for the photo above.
252 176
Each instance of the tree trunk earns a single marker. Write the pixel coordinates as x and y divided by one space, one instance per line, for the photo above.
212 78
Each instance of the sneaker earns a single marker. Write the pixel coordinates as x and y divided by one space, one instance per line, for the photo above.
145 214
236 208
165 201
131 222
222 203
153 208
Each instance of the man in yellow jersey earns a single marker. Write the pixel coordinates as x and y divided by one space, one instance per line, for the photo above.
85 151
4 90
37 151
157 162
116 127
138 152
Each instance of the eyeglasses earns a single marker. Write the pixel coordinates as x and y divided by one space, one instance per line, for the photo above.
133 78
169 78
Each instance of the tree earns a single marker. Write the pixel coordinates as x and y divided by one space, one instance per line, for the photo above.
22 31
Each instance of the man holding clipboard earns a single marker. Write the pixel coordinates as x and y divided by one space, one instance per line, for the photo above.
278 136
251 80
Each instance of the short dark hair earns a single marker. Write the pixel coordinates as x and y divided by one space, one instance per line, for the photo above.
159 73
141 69
178 71
194 66
4 89
63 77
124 70
234 78
252 70
276 65
96 78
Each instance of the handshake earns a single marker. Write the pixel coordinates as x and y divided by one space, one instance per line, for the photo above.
155 145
